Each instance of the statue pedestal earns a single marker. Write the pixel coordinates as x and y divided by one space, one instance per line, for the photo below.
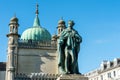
72 77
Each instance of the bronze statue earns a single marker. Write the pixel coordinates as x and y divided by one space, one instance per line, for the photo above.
68 49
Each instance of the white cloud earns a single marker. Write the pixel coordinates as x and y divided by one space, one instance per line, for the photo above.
101 41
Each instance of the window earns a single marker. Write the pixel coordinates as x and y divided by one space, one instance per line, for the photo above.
114 73
101 77
109 75
118 61
58 31
111 64
105 66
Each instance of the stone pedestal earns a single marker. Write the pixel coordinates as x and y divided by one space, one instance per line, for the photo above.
45 76
72 77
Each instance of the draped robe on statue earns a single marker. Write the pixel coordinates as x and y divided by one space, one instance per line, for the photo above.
68 48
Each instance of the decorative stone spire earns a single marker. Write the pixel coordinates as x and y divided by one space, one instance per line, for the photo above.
13 36
36 20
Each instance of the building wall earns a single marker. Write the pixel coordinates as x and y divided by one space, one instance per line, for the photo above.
107 71
111 74
37 60
2 75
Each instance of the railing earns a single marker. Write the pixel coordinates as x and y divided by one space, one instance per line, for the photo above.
37 76
37 44
21 76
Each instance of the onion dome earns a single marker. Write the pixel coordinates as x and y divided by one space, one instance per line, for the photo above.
61 21
14 20
36 33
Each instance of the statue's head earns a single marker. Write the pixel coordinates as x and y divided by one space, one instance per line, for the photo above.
71 23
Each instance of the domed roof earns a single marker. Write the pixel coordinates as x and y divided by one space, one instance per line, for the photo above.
61 21
14 20
36 33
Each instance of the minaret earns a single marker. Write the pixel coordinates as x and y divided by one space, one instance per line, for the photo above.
61 26
13 37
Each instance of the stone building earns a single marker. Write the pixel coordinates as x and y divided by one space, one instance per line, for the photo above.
33 55
108 70
33 52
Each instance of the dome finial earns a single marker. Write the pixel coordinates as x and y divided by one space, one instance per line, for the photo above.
15 15
36 20
37 12
62 18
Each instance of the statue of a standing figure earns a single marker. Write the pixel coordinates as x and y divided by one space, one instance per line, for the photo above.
68 49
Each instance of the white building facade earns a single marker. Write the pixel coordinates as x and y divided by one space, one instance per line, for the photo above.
109 70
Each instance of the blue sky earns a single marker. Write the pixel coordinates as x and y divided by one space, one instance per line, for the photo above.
97 21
